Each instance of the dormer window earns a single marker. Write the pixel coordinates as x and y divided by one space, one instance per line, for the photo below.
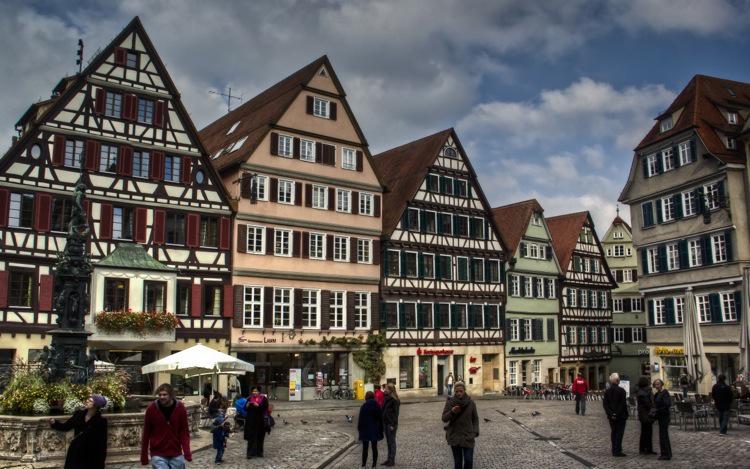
233 127
536 219
731 143
322 72
732 118
666 124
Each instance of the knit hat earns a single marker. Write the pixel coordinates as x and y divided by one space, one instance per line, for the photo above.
99 401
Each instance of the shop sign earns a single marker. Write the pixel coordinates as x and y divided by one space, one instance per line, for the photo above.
516 351
439 352
669 351
643 352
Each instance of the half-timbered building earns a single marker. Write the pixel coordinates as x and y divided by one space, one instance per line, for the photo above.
306 270
442 292
585 299
160 223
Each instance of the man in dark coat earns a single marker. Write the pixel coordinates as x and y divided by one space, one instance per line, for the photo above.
723 397
616 409
462 426
370 427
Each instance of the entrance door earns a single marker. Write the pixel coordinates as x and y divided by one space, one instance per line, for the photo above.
440 377
488 368
550 375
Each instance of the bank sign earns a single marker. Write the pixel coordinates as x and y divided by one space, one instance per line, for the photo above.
442 351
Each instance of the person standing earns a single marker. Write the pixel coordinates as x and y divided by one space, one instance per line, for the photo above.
723 396
663 405
580 392
684 385
379 395
88 450
370 427
391 410
616 409
166 432
449 383
255 423
645 401
461 426
220 433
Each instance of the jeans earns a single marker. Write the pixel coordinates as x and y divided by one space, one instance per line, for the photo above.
374 444
219 454
723 421
390 439
581 404
646 444
665 448
618 431
463 458
450 389
161 462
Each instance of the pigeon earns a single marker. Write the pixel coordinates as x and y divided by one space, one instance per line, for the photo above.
329 421
487 420
534 413
286 423
278 416
304 422
513 411
348 418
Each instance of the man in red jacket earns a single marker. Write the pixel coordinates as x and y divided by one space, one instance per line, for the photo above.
166 431
580 389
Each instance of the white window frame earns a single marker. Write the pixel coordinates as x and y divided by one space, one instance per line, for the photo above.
684 150
689 204
253 307
361 310
552 288
703 306
307 150
528 335
515 285
311 307
364 251
366 204
673 257
652 165
283 310
513 373
252 234
348 159
341 252
338 309
627 276
261 187
282 238
285 146
15 207
316 241
679 309
695 252
528 287
660 313
572 296
728 306
73 155
667 158
637 335
667 209
617 305
732 117
435 217
652 258
585 299
731 143
712 195
319 197
719 248
344 200
533 250
281 189
666 124
540 287
514 330
321 108
425 255
618 335
399 262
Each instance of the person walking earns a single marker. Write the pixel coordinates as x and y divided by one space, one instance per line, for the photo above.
166 432
646 413
379 395
723 397
390 422
370 427
663 404
255 423
580 392
88 450
461 426
449 383
220 430
616 409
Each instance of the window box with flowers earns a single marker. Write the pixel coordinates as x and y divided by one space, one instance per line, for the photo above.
128 325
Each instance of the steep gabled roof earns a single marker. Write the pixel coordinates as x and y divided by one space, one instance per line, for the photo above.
512 221
133 256
565 230
700 101
619 221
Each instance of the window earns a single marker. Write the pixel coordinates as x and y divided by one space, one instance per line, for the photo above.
393 258
141 161
572 297
425 371
461 322
255 235
712 196
689 206
365 204
536 219
586 264
513 373
286 191
62 210
122 223
337 309
108 159
673 257
527 287
527 332
584 298
448 185
728 307
477 270
320 197
684 149
617 305
115 294
73 153
21 210
679 309
131 59
695 252
261 183
460 187
652 257
348 159
282 242
282 307
593 335
343 200
659 312
428 265
540 287
551 288
515 287
667 159
430 221
252 307
154 296
627 276
665 124
212 298
637 334
311 309
340 248
361 310
307 150
410 264
731 143
405 372
174 228
321 108
412 219
317 246
113 105
719 247
286 146
618 335
594 300
172 167
704 308
635 304
493 271
446 225
652 166
145 111
364 251
433 182
732 118
533 251
536 371
209 234
446 267
184 291
619 250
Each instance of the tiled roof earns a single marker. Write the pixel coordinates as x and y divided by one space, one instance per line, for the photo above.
700 101
402 170
620 221
512 220
133 256
565 230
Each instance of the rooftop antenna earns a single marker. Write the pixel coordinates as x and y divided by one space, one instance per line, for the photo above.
79 54
228 96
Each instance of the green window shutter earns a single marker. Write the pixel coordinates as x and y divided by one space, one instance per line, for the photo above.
430 187
438 271
403 263
470 269
650 305
455 225
722 193
708 257
442 184
401 316
659 162
420 265
677 200
644 162
728 243
422 221
647 209
715 303
420 319
693 151
454 316
662 256
676 155
701 200
524 250
470 319
659 218
436 315
383 316
669 310
682 250
738 304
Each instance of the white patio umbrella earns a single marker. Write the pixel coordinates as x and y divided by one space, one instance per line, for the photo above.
745 325
693 338
100 365
199 360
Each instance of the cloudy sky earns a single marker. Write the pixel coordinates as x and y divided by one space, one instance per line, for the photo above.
548 97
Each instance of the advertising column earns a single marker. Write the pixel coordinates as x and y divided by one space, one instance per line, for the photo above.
295 384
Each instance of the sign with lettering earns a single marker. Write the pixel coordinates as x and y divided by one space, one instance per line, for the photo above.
442 351
669 351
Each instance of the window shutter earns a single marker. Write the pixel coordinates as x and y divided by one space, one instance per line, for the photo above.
241 238
627 305
650 306
628 335
127 107
669 311
268 307
677 201
331 198
125 161
330 155
158 227
376 252
273 192
186 169
648 214
693 152
376 206
676 155
308 195
738 304
119 56
353 250
644 163
270 241
329 247
238 318
454 224
297 310
227 306
46 288
196 300
355 203
708 257
325 310
523 250
105 221
715 304
332 111
350 297
58 150
318 152
298 193
644 260
42 206
3 288
296 239
159 113
360 161
618 275
305 245
295 148
728 244
140 224
374 311
99 97
403 264
225 231
193 230
246 186
659 217
635 275
662 256
156 169
4 200
92 155
310 104
551 332
659 162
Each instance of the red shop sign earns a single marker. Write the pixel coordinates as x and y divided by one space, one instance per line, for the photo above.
442 351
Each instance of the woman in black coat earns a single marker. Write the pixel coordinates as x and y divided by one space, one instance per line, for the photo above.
663 404
645 401
370 426
390 422
256 409
88 450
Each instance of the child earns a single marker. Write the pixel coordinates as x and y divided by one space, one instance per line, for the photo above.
220 429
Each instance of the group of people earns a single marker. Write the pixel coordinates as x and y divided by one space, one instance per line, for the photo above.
378 417
253 417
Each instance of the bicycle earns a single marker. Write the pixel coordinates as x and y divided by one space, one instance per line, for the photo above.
343 392
328 391
272 394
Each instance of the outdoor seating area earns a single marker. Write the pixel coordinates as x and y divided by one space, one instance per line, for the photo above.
698 412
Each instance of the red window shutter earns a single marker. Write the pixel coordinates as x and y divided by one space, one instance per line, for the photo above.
376 206
193 230
4 200
355 203
196 300
353 246
274 143
224 231
360 161
159 112
331 198
58 151
295 151
42 205
332 111
270 240
157 166
158 227
92 155
308 195
297 193
186 169
46 287
376 252
105 221
99 101
141 213
127 107
3 288
318 152
125 161
228 306
119 56
310 104
273 194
